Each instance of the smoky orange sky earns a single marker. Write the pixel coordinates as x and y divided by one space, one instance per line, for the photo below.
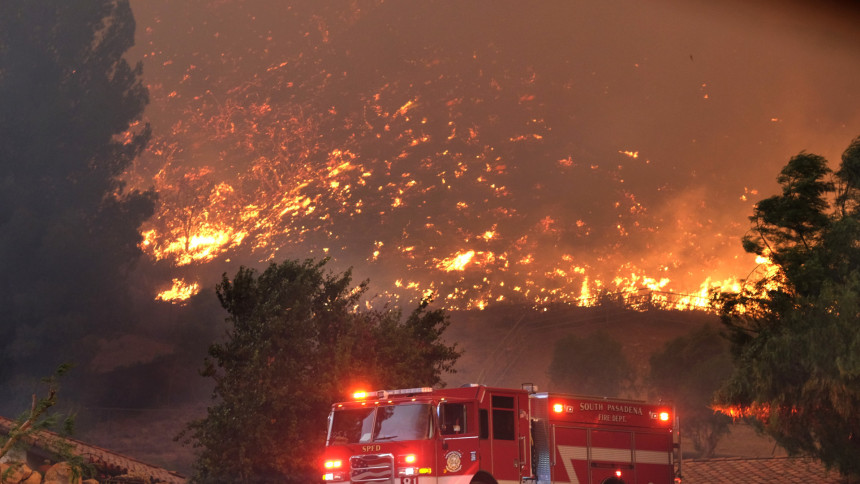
487 151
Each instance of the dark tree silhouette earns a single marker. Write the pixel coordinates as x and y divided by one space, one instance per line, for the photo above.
687 371
295 344
593 364
70 110
796 330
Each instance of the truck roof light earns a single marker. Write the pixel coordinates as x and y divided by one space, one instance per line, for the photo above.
385 394
359 395
663 416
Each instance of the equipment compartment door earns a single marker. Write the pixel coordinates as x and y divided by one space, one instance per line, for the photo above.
653 457
571 460
611 452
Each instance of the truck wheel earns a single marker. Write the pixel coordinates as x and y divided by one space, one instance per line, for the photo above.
483 478
613 480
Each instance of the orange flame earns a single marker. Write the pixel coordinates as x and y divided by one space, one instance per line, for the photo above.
180 292
403 179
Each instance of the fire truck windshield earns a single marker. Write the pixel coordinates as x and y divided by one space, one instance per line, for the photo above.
382 423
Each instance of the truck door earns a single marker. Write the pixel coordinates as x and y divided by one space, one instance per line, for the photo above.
510 446
458 444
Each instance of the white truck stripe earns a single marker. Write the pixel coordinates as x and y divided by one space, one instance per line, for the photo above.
652 457
464 480
570 453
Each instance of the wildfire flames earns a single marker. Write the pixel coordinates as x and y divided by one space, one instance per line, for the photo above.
453 177
180 291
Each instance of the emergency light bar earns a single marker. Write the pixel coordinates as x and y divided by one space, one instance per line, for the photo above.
383 394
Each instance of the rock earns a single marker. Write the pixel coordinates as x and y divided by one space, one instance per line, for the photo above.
62 473
15 472
35 478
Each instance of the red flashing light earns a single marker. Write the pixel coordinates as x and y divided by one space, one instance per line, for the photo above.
664 416
359 395
618 473
407 459
558 408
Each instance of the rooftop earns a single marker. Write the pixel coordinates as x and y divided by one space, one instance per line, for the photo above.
731 470
105 460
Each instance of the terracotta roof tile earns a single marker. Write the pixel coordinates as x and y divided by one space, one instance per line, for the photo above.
784 470
103 458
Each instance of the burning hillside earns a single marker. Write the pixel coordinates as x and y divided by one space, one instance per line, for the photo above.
452 154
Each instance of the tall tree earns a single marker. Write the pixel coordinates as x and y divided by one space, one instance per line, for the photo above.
795 331
70 110
295 344
687 372
594 364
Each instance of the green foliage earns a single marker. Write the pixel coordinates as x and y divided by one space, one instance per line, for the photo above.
594 364
687 372
37 419
796 332
69 128
296 344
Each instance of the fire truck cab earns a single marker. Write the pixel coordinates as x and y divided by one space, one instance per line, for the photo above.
482 435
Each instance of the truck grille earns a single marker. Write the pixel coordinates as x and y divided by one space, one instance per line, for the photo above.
376 468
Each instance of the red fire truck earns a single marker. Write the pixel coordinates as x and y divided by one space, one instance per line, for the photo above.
482 435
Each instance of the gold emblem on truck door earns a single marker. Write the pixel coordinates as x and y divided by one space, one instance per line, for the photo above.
453 461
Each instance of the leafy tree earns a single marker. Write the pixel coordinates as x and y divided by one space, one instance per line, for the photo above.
593 364
296 343
687 371
69 127
38 418
795 330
